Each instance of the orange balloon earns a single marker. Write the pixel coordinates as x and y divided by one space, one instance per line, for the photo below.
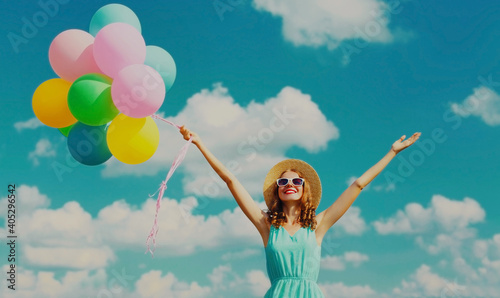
50 103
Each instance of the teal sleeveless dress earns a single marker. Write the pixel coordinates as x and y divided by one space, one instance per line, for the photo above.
293 264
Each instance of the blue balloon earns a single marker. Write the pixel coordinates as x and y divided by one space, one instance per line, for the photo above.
163 63
87 144
113 13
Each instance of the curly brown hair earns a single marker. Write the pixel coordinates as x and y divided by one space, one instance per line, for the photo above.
307 217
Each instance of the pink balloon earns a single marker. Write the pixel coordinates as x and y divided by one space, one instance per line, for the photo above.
138 91
118 45
71 54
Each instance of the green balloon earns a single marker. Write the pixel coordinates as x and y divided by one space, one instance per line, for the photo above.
65 130
89 99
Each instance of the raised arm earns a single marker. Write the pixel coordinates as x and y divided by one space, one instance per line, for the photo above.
327 218
240 194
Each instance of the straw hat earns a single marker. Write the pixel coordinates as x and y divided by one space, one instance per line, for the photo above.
305 169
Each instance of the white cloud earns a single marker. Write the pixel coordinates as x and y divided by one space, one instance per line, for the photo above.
69 238
351 222
44 284
332 263
484 103
180 233
441 243
153 284
453 215
258 282
450 216
249 140
490 271
473 264
64 237
487 247
54 236
467 281
496 244
485 276
480 248
355 258
341 290
238 255
413 219
27 198
339 263
224 282
329 22
68 226
69 257
482 289
442 227
227 283
32 123
461 266
425 283
43 148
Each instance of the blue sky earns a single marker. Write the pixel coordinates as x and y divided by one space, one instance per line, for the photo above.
352 76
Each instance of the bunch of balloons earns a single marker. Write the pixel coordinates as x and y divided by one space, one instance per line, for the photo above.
109 85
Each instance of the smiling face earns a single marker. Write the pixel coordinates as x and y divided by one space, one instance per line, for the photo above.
290 192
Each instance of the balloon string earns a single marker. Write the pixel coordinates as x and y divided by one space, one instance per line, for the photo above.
163 186
154 116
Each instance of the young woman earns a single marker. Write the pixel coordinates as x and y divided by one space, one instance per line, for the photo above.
290 230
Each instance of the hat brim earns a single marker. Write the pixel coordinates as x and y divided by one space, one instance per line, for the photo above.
304 168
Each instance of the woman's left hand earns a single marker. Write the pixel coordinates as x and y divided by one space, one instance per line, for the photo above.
399 145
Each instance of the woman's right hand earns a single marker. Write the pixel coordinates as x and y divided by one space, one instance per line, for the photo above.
186 133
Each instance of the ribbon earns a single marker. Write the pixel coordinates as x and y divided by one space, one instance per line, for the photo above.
163 186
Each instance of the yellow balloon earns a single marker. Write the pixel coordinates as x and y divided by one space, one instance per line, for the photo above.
132 140
50 103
